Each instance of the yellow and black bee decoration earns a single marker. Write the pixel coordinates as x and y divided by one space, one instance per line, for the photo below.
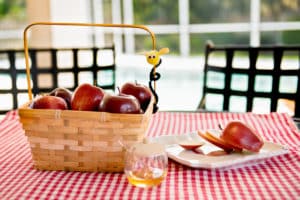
153 58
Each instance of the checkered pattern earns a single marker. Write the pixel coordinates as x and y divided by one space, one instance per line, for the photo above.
276 178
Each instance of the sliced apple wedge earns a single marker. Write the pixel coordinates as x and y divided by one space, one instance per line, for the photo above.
217 135
215 141
236 136
190 145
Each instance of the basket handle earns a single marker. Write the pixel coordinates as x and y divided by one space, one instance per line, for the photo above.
73 24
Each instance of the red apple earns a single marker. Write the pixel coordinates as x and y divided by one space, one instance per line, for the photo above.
240 135
141 92
87 97
63 93
121 103
49 102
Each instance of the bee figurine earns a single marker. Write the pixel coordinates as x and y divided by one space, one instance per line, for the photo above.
153 58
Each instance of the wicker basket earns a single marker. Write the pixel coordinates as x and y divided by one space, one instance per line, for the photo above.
80 140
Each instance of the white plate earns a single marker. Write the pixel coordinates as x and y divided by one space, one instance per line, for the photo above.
232 160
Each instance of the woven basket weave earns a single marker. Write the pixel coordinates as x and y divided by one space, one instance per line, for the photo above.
80 140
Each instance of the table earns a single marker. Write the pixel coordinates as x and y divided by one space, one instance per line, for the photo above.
277 178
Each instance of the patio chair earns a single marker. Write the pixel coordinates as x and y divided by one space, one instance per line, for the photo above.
66 67
262 79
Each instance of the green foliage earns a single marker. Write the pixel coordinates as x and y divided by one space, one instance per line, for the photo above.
219 11
268 38
198 41
216 11
291 37
279 10
14 9
155 12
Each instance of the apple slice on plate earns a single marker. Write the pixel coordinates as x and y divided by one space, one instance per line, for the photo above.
210 136
236 136
242 136
190 144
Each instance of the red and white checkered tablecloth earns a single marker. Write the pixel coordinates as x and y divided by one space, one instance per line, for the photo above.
277 178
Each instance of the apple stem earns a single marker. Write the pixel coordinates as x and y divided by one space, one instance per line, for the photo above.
119 89
220 127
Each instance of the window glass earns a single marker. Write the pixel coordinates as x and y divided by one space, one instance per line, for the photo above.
155 12
283 10
280 37
12 21
199 40
217 11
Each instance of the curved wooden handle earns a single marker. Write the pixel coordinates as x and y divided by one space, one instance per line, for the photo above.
73 24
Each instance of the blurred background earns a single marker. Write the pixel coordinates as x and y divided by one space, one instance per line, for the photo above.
182 25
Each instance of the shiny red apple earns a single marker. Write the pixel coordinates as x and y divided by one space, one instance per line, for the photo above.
242 136
63 93
49 102
87 97
141 92
120 103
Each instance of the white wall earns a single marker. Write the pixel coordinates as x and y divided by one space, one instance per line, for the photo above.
70 11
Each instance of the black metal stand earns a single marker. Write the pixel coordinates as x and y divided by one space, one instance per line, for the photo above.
154 76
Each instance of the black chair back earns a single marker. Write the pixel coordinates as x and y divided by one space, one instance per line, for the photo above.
13 72
231 77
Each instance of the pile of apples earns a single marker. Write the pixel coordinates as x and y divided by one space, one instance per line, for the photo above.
133 98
